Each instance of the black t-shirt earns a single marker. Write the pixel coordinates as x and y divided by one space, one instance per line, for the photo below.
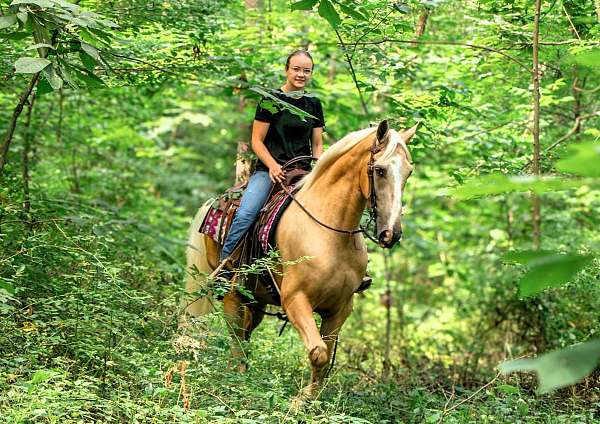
288 136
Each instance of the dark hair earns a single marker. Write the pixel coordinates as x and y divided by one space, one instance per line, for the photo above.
298 53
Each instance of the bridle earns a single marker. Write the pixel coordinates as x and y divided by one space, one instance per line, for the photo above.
375 148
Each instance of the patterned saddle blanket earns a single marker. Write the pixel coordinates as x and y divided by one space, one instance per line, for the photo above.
217 222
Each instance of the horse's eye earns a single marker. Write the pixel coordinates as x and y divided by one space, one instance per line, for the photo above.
380 172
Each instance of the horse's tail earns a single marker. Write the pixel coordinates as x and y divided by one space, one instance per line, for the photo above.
197 267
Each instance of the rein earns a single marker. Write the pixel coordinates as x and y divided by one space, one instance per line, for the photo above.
372 194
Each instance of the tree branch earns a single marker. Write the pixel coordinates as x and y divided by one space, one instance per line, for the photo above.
447 43
349 60
13 122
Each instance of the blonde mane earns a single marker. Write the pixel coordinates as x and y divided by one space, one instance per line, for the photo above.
346 144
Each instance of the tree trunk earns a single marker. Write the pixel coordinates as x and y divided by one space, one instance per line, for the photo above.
27 140
422 23
13 122
536 213
243 163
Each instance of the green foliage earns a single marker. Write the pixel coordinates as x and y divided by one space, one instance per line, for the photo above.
560 368
139 125
547 269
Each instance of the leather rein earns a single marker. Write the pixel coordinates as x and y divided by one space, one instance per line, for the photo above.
372 194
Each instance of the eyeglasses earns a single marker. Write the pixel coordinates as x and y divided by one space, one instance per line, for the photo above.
298 70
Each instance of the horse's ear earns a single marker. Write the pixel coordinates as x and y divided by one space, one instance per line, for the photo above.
382 130
408 134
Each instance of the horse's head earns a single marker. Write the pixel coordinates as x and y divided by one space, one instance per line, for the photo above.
390 167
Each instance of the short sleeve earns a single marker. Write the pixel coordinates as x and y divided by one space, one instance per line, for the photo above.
263 114
318 113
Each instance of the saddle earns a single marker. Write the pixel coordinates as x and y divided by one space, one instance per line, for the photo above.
260 238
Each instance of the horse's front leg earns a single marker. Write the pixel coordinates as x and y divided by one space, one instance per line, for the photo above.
330 328
300 313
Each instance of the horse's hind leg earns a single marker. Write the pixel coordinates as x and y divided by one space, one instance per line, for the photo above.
235 316
241 321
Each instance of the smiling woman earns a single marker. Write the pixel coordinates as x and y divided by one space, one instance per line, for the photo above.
278 137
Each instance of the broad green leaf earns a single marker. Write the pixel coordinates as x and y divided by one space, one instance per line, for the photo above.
304 4
23 16
546 269
7 21
52 77
353 12
44 87
293 109
40 376
507 388
499 183
551 271
66 75
91 80
40 3
16 36
5 285
327 11
91 50
88 62
589 58
559 368
585 161
30 65
526 257
40 45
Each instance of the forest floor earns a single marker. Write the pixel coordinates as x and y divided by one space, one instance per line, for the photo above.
177 378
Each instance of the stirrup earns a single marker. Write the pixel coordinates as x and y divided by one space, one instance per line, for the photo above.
364 284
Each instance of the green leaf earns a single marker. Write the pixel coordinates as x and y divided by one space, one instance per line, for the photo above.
88 62
66 75
508 389
559 368
589 59
91 50
353 12
16 36
23 16
40 45
5 285
52 77
44 87
40 3
293 109
40 376
304 4
91 80
327 11
525 257
583 162
499 183
30 65
546 269
551 271
7 21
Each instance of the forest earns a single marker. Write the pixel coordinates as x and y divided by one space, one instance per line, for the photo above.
119 119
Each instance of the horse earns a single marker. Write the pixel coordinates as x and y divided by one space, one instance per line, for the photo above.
369 166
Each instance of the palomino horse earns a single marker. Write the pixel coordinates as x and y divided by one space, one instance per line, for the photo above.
335 193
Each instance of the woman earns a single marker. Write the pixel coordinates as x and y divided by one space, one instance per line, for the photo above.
277 138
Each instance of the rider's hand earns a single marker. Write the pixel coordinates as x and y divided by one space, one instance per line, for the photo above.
276 173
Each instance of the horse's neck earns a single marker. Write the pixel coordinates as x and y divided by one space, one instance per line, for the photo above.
335 197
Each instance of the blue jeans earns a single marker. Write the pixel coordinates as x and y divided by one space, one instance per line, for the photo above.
253 200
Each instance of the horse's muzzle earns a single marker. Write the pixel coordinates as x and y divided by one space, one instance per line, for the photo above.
388 238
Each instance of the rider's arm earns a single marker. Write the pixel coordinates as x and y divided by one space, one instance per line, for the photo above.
259 132
317 141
